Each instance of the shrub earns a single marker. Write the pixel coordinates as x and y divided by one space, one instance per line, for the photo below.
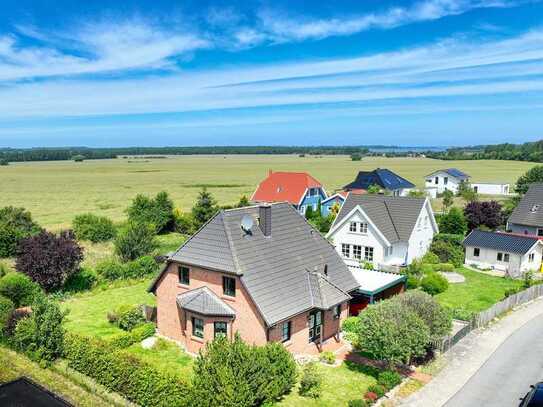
434 283
135 240
371 397
138 334
392 333
448 252
511 291
41 335
311 382
156 211
183 222
110 269
93 228
357 403
430 258
461 314
328 357
4 269
413 282
83 280
141 267
129 316
484 214
389 379
6 309
19 288
445 267
16 224
351 324
123 373
377 389
454 222
436 317
49 259
232 373
15 317
426 268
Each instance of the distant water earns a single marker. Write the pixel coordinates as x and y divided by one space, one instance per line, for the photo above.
397 149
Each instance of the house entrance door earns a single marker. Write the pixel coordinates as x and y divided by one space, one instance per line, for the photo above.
315 326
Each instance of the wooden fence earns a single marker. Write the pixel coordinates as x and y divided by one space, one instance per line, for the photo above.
484 317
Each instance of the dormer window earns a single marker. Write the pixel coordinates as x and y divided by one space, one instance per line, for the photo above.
535 208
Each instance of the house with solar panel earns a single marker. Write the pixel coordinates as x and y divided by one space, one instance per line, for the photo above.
442 180
389 182
261 271
509 253
300 189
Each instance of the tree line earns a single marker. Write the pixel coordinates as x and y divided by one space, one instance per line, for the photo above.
531 151
68 153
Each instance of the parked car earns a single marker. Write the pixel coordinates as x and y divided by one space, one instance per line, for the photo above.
534 398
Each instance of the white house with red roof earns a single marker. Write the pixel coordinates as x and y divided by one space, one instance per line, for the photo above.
298 188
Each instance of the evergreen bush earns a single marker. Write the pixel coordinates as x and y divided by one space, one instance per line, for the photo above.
135 240
93 228
6 309
434 283
19 288
311 382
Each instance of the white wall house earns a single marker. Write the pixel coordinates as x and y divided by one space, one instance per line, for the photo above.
511 254
487 188
527 217
439 181
383 230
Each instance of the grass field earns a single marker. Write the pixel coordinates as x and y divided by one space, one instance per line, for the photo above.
477 293
57 191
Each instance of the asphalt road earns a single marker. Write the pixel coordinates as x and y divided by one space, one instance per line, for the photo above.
507 375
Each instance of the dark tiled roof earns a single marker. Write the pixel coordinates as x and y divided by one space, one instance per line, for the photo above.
529 211
500 241
323 293
274 269
381 176
204 301
453 172
394 216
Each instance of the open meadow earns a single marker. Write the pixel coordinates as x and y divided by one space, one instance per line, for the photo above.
57 191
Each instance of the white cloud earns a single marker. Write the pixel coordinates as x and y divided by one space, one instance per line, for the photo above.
449 69
280 27
102 47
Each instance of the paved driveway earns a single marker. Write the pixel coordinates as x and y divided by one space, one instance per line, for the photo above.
507 375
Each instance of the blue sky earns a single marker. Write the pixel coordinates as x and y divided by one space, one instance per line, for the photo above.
125 73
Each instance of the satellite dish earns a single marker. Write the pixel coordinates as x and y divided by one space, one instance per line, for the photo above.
247 223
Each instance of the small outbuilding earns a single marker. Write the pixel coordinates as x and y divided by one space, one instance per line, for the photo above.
374 286
489 188
509 253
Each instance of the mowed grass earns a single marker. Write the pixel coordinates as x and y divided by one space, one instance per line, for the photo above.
87 313
57 191
478 292
341 384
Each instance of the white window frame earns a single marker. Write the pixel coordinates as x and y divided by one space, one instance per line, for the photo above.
363 227
368 253
531 257
344 246
353 227
357 251
478 254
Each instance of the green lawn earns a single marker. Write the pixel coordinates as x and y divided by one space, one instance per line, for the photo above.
88 311
477 293
57 191
341 384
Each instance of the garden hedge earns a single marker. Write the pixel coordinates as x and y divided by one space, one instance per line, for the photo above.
123 373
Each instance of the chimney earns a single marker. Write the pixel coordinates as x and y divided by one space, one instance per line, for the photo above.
265 219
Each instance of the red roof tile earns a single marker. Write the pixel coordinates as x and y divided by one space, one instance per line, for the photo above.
284 186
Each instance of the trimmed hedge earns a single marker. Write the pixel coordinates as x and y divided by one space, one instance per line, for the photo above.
138 334
93 228
125 374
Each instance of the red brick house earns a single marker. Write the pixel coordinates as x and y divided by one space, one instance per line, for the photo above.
261 271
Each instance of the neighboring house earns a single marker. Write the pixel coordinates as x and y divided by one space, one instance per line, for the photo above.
383 230
328 203
527 217
260 271
488 188
388 181
298 188
509 253
441 180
